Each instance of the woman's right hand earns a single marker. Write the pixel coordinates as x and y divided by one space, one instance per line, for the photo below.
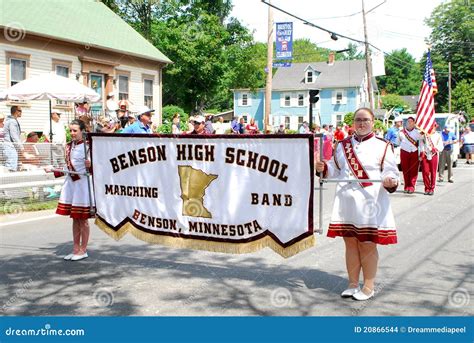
319 166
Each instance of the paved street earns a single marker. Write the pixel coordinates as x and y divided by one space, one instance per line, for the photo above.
429 273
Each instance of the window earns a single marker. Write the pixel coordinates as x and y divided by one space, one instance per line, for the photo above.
287 100
309 77
245 99
287 123
300 121
148 91
337 119
300 99
17 70
61 70
123 87
338 96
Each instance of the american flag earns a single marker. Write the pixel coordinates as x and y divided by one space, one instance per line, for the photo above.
425 111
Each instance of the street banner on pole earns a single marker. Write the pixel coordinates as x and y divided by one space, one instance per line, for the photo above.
284 41
219 193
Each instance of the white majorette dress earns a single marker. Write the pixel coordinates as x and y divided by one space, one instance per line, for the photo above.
74 200
362 210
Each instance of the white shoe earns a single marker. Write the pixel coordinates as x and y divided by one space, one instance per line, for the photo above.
361 296
348 293
79 257
68 257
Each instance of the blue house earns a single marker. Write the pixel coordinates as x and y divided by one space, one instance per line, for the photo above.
342 86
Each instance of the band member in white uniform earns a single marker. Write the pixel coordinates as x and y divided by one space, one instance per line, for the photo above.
362 214
74 200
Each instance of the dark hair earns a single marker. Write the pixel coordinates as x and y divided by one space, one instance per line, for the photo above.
32 134
80 123
13 109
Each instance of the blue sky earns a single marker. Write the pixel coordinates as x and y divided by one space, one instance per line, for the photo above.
394 25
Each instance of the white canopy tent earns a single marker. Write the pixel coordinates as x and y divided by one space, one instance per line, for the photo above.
47 87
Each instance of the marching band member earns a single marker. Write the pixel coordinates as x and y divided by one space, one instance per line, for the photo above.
430 146
409 141
362 214
75 198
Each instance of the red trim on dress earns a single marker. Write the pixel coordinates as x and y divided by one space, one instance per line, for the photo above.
363 234
75 212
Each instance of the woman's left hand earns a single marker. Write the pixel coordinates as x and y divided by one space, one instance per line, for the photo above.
87 163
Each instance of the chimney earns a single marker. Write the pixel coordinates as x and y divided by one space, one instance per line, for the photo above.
331 58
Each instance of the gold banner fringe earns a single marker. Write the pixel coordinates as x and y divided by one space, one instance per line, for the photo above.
224 247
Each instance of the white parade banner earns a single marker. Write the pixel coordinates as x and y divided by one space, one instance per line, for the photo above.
233 194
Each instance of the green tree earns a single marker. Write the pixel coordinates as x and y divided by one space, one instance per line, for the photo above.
402 74
390 101
306 51
353 54
349 118
452 37
463 98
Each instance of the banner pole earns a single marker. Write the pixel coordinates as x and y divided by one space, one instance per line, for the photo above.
91 208
320 230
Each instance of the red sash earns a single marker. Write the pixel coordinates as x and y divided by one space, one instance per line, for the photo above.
431 145
70 167
354 163
410 139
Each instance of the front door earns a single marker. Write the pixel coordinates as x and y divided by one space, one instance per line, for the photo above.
96 82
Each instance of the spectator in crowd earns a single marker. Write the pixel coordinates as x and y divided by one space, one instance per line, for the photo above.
234 126
304 128
219 126
13 147
111 106
393 134
208 125
199 123
241 125
143 125
281 129
175 129
449 138
2 139
31 155
328 140
339 134
81 109
122 117
252 128
56 136
467 140
190 124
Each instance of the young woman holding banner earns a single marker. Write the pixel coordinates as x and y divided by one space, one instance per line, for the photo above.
75 198
362 214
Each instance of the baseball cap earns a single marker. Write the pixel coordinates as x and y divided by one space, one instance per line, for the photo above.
199 119
144 110
398 119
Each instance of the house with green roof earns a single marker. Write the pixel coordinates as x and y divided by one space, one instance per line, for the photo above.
81 39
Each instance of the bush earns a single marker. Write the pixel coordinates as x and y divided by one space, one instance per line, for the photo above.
168 113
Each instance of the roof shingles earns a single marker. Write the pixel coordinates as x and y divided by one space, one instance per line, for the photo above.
87 22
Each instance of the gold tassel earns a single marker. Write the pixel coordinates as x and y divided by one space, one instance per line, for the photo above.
224 247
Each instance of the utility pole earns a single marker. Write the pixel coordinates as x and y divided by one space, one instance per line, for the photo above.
268 85
449 88
368 67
